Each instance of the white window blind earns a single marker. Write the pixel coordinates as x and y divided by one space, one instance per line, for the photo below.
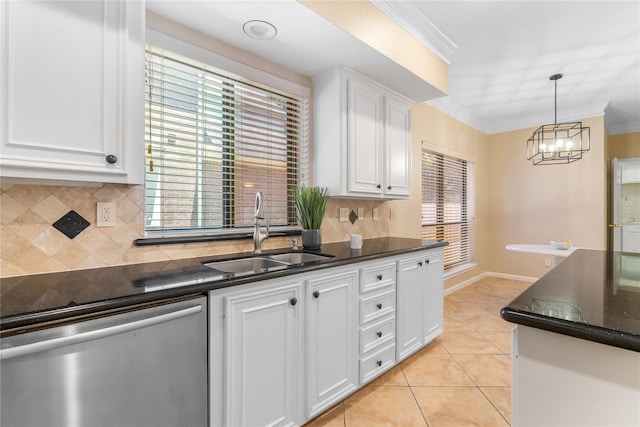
213 140
447 205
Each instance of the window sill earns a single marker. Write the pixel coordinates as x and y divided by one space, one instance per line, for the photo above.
172 240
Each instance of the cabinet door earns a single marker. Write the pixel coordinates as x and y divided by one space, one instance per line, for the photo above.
262 344
72 90
397 148
434 295
332 339
364 123
410 306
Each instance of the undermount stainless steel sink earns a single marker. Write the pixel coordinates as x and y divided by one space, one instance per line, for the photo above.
264 263
297 257
247 265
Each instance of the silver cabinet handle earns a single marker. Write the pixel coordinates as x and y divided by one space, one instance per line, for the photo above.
23 350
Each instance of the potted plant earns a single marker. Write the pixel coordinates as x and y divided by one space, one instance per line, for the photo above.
311 205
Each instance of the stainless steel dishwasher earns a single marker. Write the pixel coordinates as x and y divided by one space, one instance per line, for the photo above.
145 367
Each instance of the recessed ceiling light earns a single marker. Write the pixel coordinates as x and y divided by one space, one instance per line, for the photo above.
261 30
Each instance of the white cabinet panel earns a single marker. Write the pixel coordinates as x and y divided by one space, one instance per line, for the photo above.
256 347
72 91
332 333
630 170
434 295
411 290
362 137
364 108
631 238
397 148
420 311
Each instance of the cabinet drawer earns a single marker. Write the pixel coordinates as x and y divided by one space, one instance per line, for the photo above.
377 277
377 363
377 306
377 334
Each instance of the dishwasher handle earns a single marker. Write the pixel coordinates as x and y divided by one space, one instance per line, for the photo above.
120 328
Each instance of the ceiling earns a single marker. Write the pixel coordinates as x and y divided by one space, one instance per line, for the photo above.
500 54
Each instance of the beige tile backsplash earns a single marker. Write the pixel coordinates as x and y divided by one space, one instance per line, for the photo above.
31 245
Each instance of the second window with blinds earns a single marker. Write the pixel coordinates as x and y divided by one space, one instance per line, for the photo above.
213 139
448 207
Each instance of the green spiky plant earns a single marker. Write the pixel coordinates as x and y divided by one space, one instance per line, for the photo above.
311 205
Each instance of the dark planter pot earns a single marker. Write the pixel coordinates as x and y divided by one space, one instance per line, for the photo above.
311 239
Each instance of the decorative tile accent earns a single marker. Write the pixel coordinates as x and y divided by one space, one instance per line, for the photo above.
353 217
71 224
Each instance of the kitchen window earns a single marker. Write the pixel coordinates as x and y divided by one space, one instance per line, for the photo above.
213 139
448 206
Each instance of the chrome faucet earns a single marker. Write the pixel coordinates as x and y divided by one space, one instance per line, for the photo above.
258 235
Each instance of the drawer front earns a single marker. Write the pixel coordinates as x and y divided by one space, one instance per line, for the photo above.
377 277
377 363
377 306
377 334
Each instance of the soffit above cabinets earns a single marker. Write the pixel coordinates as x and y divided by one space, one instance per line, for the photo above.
305 43
500 54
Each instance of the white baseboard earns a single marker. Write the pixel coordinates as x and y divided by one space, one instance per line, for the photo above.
474 279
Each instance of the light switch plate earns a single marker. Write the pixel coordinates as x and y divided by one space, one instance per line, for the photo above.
375 214
392 214
360 214
344 214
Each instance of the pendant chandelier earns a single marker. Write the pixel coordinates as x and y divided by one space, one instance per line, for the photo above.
560 142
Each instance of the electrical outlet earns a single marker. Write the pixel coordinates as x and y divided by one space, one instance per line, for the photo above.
360 214
375 214
547 262
392 214
344 214
106 214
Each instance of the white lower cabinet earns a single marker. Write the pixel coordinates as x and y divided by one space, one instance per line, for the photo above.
284 350
332 334
434 294
420 301
256 350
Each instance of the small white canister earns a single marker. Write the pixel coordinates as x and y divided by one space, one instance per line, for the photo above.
356 241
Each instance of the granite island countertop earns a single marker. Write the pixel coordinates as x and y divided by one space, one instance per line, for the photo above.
581 298
29 302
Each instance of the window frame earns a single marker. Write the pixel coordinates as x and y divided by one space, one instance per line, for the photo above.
229 65
467 210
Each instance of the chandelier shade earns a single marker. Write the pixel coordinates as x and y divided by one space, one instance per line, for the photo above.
560 142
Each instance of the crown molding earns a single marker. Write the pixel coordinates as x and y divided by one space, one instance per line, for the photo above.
416 23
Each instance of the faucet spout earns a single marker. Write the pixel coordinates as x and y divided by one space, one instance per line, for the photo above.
258 235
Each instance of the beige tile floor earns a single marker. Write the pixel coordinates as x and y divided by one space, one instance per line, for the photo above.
462 378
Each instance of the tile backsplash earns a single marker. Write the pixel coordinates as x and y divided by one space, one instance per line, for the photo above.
30 244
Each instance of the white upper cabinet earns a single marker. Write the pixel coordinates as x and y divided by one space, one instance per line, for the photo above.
630 170
362 137
72 91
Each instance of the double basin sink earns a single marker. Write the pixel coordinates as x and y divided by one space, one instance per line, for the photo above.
265 263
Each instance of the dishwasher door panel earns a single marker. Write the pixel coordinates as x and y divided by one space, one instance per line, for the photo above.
142 368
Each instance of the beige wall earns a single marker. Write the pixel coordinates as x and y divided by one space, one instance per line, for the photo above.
534 204
624 145
435 130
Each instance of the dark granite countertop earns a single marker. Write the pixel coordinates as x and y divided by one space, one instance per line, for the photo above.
33 301
582 298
